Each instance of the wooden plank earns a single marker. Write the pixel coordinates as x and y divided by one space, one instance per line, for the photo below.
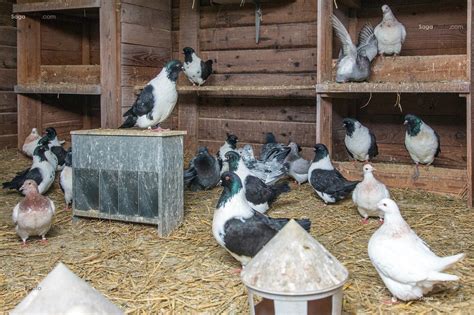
305 91
79 89
55 5
434 179
145 36
8 125
8 141
261 79
110 29
262 60
7 57
470 105
134 55
134 14
254 131
61 34
324 37
8 37
132 76
7 79
271 36
8 102
75 74
324 122
394 87
158 5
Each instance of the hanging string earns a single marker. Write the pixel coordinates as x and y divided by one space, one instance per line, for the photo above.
398 103
370 97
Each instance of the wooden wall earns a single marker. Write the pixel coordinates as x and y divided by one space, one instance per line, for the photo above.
8 110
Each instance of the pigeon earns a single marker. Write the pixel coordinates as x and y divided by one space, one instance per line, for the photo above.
230 144
359 140
237 227
353 64
270 148
404 261
390 33
58 152
41 171
196 70
269 171
157 100
53 137
368 193
34 214
31 142
259 195
65 179
204 171
297 166
421 141
328 183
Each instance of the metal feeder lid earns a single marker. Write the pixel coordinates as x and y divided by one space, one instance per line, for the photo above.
294 263
62 292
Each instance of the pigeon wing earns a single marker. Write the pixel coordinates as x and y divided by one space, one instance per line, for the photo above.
348 48
206 69
368 42
373 150
256 191
438 149
144 102
330 181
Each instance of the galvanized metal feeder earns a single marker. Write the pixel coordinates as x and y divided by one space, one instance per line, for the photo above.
129 175
294 274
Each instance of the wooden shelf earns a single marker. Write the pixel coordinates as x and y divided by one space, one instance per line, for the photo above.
55 5
301 91
80 89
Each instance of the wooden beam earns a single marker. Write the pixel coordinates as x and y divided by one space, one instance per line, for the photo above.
28 61
187 106
70 74
58 88
394 87
56 5
469 105
110 110
324 121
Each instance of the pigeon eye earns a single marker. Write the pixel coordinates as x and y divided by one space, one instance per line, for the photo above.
227 178
385 204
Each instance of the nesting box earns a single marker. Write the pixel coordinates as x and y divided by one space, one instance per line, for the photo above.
62 292
295 275
130 175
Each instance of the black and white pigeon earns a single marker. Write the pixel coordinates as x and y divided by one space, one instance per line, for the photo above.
328 183
421 141
360 142
403 260
196 70
204 171
353 64
65 179
41 171
237 227
53 137
58 151
259 195
390 33
230 144
297 166
269 171
50 156
157 100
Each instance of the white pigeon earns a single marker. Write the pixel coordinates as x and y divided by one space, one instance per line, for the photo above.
360 142
405 263
65 179
31 142
34 214
390 33
368 193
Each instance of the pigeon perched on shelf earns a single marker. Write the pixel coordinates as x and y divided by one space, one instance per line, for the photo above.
359 141
269 171
368 193
65 179
230 144
421 141
204 171
297 166
353 64
34 214
31 142
196 70
390 33
405 263
237 227
157 100
259 195
41 171
328 183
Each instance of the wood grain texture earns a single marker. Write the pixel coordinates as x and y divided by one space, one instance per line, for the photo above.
324 122
135 55
145 36
469 105
135 14
80 74
55 5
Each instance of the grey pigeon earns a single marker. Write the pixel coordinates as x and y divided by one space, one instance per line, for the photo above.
353 64
403 260
157 100
421 141
390 33
270 148
204 171
360 142
269 171
196 70
297 166
238 228
328 183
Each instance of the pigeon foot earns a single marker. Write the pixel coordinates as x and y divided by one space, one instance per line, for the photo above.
23 244
381 221
416 175
236 271
390 301
159 129
44 240
364 221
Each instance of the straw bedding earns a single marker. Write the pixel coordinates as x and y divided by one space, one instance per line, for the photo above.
189 272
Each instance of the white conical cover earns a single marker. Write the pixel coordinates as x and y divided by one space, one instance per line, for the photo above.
294 263
62 292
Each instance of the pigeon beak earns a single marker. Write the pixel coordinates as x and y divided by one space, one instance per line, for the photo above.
405 122
21 188
374 169
219 183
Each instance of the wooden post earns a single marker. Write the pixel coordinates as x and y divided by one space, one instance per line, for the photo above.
324 73
28 65
110 110
469 104
187 106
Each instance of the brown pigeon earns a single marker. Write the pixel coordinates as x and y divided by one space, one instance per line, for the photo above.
31 142
34 214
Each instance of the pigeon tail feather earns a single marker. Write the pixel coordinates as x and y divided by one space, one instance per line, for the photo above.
129 123
439 276
448 261
278 189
